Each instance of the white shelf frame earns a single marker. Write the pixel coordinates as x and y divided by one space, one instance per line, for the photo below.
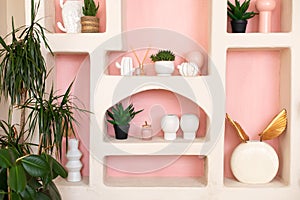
220 41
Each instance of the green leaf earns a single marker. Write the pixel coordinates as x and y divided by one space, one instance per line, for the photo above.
15 196
35 166
42 196
17 178
3 178
53 191
7 158
2 193
29 193
58 168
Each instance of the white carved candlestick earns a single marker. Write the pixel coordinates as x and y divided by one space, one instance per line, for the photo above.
265 8
74 164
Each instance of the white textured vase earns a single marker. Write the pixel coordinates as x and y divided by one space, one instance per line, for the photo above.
170 126
126 66
254 162
71 14
74 164
189 124
164 68
188 69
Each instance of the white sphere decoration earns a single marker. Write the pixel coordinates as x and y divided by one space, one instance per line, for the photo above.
170 125
196 57
189 124
254 162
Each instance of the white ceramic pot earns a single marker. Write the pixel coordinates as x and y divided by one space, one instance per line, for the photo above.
188 69
189 124
71 14
164 68
74 164
254 162
170 126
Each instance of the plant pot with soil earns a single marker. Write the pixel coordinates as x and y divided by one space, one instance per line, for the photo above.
239 15
163 62
89 22
120 118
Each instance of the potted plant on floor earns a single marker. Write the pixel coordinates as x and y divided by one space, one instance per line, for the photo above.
120 118
239 15
89 22
24 173
163 62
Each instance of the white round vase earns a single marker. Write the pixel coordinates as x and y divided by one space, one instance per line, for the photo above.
74 164
254 162
170 125
189 124
164 68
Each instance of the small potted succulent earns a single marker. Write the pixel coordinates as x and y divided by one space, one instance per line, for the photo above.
89 22
164 62
239 15
120 118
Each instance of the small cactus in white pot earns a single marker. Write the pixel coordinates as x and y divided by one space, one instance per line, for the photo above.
163 62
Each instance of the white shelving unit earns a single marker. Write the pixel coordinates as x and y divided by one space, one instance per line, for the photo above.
213 185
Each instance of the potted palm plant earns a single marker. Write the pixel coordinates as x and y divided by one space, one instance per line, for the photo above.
89 22
25 174
120 118
163 62
239 15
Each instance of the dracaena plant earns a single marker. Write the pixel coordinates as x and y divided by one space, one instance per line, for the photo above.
239 10
25 174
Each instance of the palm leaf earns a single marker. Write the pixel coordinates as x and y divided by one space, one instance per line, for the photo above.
276 127
241 133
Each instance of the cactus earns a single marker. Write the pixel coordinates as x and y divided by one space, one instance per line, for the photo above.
163 55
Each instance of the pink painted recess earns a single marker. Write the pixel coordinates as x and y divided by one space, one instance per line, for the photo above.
101 15
68 68
156 104
141 166
252 95
252 84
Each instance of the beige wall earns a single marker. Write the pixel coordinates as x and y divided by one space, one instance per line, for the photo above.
3 25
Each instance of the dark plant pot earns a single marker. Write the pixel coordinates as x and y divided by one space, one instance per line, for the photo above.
121 132
239 26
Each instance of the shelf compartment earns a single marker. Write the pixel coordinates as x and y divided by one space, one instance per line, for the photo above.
281 20
156 146
258 40
158 171
63 183
267 78
276 183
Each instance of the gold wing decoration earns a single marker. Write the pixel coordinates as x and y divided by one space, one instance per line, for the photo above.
276 127
241 133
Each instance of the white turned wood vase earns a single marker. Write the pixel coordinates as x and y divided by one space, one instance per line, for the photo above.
74 164
254 162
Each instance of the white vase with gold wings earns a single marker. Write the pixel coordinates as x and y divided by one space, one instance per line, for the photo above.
256 162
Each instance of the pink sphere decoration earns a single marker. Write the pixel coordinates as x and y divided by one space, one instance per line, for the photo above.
265 5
